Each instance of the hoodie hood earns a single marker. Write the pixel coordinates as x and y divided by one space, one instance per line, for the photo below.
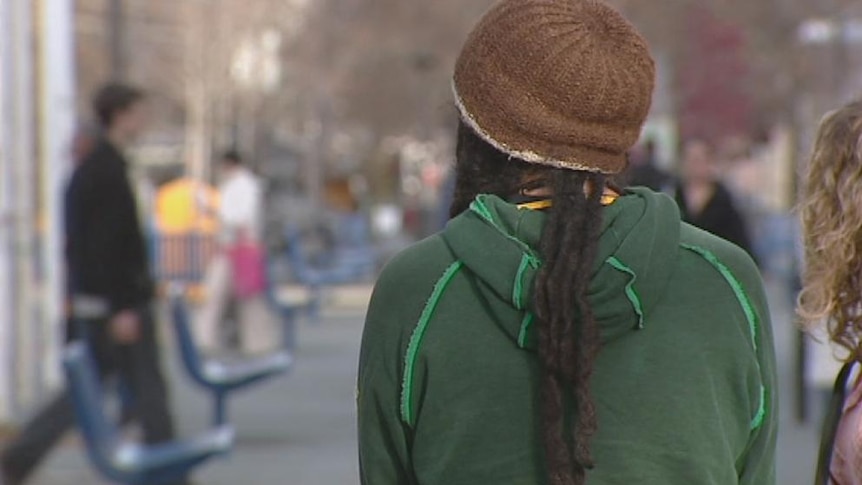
638 247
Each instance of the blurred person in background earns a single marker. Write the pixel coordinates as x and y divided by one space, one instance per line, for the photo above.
743 177
343 215
743 173
447 195
831 297
240 215
560 330
644 171
112 289
704 201
352 250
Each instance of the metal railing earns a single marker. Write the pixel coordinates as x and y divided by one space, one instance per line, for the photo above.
182 258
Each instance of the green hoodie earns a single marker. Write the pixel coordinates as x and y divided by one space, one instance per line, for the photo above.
684 385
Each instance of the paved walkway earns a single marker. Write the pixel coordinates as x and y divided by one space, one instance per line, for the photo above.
300 429
797 443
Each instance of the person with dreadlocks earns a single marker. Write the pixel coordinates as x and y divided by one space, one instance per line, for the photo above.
561 330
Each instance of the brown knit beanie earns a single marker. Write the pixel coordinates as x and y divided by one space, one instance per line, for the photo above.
565 83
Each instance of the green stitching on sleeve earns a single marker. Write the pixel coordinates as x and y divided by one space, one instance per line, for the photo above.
527 261
518 287
750 315
734 283
526 323
631 293
416 341
757 422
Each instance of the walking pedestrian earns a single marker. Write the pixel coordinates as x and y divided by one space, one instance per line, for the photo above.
240 214
645 172
831 296
704 201
112 289
561 330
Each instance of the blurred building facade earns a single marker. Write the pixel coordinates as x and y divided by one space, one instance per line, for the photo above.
140 41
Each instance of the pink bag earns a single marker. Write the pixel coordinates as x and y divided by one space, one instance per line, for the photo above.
248 269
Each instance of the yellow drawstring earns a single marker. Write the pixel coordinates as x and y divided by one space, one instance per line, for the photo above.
607 199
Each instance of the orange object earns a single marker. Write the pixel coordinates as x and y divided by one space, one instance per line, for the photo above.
185 206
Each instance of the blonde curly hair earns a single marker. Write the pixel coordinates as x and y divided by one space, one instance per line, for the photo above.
831 212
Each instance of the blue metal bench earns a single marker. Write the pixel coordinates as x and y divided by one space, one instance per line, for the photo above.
222 378
290 302
122 460
345 265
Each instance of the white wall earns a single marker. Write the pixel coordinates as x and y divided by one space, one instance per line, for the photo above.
31 300
18 152
6 213
57 94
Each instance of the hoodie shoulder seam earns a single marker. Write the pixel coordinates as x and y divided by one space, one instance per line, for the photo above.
631 291
750 315
415 343
528 261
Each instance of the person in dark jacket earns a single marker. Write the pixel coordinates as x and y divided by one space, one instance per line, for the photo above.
110 284
704 201
83 143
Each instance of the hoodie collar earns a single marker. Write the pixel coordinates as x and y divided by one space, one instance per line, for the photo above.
498 243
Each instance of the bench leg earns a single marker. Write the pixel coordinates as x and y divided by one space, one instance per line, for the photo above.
314 306
220 408
290 317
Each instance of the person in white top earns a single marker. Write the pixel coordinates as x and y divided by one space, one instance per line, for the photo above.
241 208
241 220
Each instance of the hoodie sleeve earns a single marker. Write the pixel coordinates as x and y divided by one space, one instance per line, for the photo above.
399 298
383 457
383 451
396 305
759 467
755 457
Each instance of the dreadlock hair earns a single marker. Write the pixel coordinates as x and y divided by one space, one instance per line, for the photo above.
568 334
